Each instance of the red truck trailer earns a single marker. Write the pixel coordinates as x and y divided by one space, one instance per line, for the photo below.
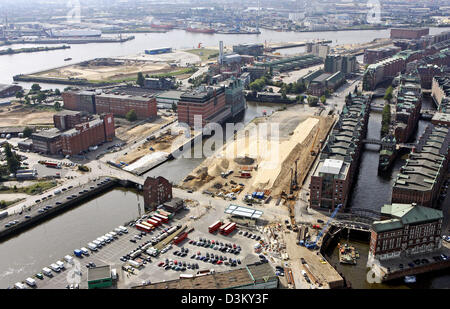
163 218
223 227
147 224
179 238
160 221
143 228
228 229
215 226
53 164
153 222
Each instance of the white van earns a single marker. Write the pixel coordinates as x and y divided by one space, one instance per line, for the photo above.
118 231
84 251
101 240
30 281
47 271
123 229
113 234
97 243
114 274
55 268
68 259
20 286
92 246
60 264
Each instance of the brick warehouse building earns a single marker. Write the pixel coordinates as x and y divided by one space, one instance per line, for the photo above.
117 103
157 191
77 139
209 103
120 104
88 134
333 177
405 230
409 33
421 178
68 119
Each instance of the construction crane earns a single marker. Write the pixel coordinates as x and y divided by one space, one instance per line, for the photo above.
313 153
313 245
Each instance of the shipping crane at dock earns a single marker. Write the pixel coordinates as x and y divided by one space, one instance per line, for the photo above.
313 245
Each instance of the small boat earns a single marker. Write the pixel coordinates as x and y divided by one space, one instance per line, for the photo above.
410 279
67 59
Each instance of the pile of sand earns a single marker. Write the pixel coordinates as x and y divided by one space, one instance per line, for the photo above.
275 167
244 160
218 167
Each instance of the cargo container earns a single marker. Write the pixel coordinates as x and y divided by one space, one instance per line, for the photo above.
135 254
228 229
172 230
215 226
180 238
164 219
143 228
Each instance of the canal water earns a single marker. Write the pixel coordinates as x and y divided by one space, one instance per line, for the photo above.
372 191
27 253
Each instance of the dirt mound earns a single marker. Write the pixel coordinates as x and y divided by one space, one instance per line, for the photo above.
244 160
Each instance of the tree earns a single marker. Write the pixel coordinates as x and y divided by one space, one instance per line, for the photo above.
19 94
36 87
27 100
41 97
388 94
27 132
131 115
323 99
57 106
174 107
140 79
386 120
312 101
57 92
12 162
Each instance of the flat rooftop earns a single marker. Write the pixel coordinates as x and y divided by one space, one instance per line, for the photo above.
99 272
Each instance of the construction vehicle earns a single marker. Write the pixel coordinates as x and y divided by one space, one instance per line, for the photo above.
313 245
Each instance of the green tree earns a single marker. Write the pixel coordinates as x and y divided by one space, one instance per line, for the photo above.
57 106
36 87
386 120
323 99
131 115
57 92
27 132
312 101
388 94
12 162
140 79
27 100
19 94
174 107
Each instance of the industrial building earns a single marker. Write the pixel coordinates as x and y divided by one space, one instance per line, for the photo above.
169 98
376 54
234 95
162 83
249 49
333 177
9 90
119 103
73 141
421 178
440 92
158 51
409 33
156 191
99 277
68 119
209 103
325 81
254 276
406 230
318 49
290 63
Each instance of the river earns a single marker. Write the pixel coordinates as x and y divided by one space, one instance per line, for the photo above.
26 253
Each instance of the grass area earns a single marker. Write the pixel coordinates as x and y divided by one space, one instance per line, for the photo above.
34 189
204 53
5 204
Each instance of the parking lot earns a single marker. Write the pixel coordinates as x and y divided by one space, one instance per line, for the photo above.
199 258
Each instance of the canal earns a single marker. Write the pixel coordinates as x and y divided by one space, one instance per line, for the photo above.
372 191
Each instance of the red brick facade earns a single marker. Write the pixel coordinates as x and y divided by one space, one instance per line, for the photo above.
156 192
410 34
205 107
120 105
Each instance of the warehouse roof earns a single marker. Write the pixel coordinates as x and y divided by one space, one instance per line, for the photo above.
236 210
98 273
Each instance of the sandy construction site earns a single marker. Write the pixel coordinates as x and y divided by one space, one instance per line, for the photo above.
16 116
249 164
